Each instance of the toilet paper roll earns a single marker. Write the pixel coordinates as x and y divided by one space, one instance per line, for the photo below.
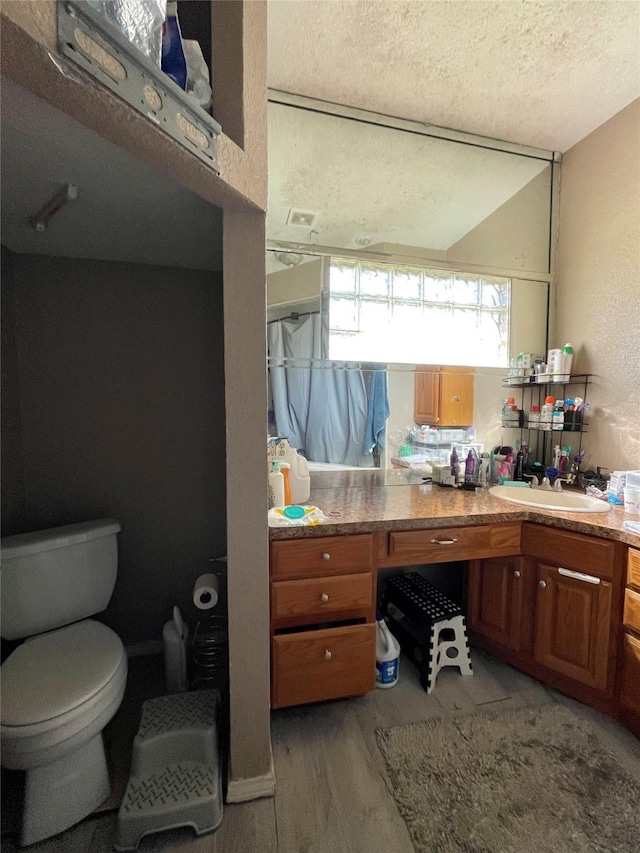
205 592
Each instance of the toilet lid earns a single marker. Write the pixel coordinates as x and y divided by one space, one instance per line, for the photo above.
55 672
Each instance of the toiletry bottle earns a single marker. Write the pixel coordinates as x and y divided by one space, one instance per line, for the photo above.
556 456
567 360
534 417
469 468
513 415
563 462
557 421
455 467
285 467
519 469
276 486
483 470
546 415
173 62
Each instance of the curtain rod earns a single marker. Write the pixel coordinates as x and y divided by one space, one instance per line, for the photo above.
293 316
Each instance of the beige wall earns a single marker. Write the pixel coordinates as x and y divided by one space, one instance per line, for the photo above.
516 235
598 297
113 407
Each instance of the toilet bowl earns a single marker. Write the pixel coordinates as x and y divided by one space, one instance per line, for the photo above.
61 687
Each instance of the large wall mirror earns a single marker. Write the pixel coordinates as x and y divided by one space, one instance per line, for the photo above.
400 264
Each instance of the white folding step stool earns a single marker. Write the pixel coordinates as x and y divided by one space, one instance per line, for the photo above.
429 626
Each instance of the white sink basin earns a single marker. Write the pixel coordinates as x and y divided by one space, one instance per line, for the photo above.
560 501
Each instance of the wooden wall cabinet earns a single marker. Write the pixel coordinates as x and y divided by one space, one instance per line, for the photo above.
444 395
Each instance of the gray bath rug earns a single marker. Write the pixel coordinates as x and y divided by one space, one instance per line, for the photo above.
531 781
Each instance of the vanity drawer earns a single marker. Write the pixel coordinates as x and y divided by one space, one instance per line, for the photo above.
630 673
321 599
569 550
315 665
631 616
453 543
321 556
633 568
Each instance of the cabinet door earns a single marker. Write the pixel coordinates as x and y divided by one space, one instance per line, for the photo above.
495 599
426 409
573 616
630 673
456 396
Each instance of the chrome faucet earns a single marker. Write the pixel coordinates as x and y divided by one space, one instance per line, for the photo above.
535 482
557 487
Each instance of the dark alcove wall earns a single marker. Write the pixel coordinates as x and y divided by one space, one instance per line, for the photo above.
115 385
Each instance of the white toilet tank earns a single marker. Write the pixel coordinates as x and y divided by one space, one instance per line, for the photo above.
53 577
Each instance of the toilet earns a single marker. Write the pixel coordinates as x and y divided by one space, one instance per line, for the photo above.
66 681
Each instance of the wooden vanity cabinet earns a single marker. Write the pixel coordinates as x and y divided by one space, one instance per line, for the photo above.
498 601
443 396
629 679
552 611
573 620
323 631
577 611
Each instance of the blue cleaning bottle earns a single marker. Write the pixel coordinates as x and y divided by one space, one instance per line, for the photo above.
173 62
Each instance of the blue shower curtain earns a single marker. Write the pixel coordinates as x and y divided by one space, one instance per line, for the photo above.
321 406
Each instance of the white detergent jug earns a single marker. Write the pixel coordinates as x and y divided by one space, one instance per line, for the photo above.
387 655
299 477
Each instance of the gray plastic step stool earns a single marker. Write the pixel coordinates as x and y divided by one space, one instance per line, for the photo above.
175 772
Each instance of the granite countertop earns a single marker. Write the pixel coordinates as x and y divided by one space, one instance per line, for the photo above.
367 500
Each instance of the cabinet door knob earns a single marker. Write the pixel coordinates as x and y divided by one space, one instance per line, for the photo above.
324 597
326 556
327 655
542 584
516 574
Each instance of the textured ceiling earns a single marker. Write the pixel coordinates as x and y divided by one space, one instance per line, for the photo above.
538 73
384 185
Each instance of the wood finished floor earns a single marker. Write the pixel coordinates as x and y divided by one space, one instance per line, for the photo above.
332 791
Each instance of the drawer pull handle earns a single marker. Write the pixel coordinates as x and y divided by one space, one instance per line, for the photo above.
326 556
327 655
324 597
567 573
542 584
443 541
516 574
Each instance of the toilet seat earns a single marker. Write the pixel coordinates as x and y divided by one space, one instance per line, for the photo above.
53 673
57 689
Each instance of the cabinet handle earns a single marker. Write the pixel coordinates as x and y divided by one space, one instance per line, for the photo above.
327 655
443 541
326 556
324 597
516 574
567 573
542 584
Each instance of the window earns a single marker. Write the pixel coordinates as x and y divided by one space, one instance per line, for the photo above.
386 313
